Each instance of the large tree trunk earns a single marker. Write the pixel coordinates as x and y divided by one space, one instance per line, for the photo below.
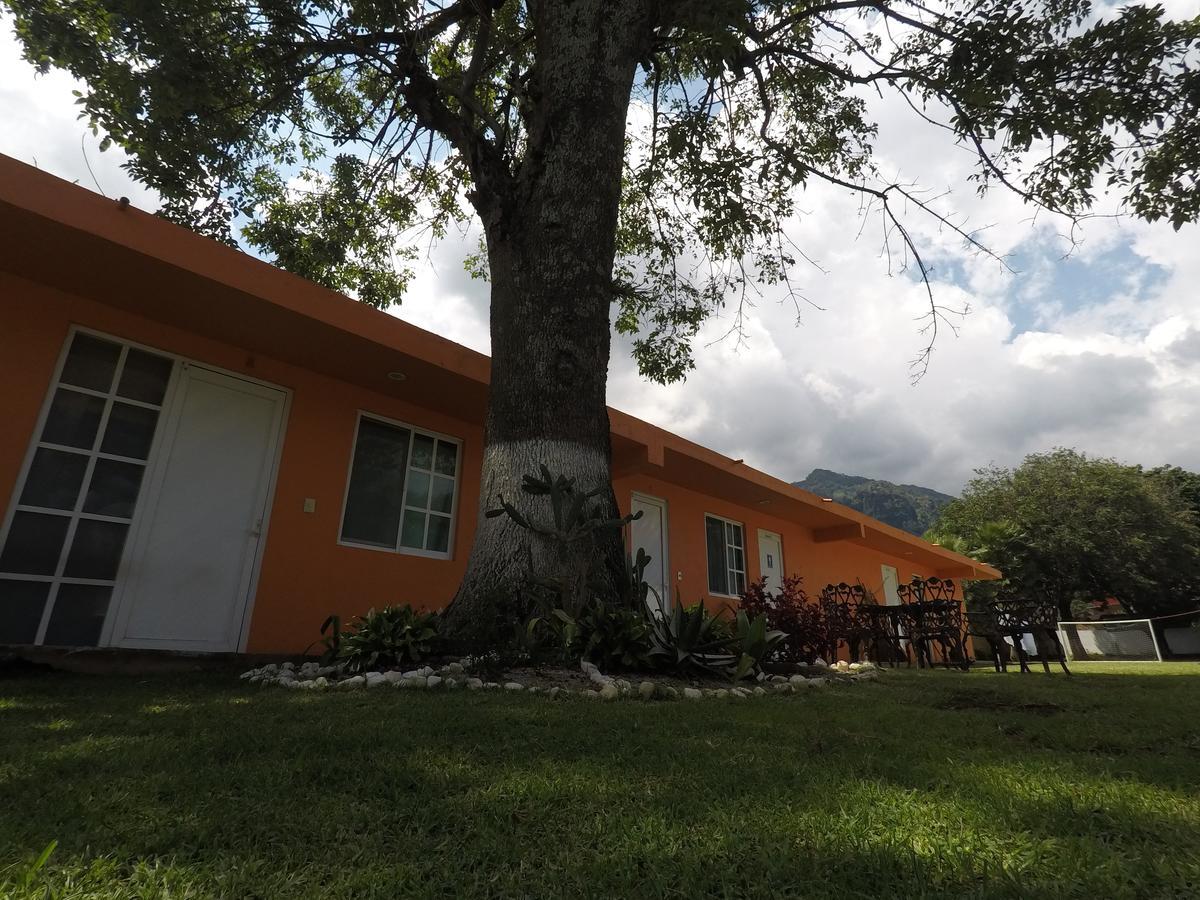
550 250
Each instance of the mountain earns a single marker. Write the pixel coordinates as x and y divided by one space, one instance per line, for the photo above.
908 506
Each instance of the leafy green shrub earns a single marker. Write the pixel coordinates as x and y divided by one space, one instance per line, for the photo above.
382 639
791 611
613 637
617 633
617 637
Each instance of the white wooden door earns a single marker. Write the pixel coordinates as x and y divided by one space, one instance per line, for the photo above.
188 579
891 586
649 533
770 559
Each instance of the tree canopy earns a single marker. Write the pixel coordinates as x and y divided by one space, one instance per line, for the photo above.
1071 528
335 137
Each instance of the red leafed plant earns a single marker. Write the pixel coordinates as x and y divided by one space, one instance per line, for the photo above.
789 610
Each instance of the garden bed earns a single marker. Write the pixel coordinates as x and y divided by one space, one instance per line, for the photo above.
554 681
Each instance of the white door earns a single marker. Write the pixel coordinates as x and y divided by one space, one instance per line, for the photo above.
891 586
187 581
770 559
649 533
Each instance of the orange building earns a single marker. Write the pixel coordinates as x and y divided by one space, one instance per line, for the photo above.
202 452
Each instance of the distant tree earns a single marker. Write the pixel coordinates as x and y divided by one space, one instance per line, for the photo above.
1072 528
340 136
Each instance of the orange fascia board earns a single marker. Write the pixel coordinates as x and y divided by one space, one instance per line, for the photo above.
855 531
60 234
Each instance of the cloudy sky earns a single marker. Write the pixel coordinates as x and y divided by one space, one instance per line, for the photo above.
1097 349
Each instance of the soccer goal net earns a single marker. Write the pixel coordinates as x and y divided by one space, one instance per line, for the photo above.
1167 637
1131 639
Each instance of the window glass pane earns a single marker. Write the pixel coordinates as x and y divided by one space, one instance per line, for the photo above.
78 615
34 544
21 605
114 488
73 420
130 431
95 550
718 574
735 534
739 579
91 363
442 498
418 490
447 458
439 534
373 502
54 479
413 533
422 455
144 377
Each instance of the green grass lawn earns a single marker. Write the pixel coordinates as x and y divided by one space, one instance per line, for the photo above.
921 785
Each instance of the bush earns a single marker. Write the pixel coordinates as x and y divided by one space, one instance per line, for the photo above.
697 641
617 637
791 611
611 636
687 640
382 639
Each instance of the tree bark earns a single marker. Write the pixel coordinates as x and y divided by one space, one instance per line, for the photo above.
551 246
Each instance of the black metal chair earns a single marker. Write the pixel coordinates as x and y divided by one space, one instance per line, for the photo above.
840 604
983 624
1017 618
932 615
940 589
885 643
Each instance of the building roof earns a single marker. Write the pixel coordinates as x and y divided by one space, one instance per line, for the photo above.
57 233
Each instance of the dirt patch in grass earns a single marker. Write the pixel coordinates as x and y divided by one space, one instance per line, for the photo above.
997 703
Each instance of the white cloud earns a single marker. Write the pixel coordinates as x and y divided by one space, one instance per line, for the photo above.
1031 366
42 128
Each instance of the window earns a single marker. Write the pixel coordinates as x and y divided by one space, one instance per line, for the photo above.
59 559
402 489
726 556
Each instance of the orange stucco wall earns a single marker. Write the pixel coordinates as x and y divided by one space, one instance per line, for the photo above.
305 574
819 564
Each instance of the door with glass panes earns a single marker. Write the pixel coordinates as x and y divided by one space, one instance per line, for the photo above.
97 464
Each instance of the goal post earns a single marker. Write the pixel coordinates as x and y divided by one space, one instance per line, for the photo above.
1123 639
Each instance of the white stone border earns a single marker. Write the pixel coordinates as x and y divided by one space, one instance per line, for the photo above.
312 676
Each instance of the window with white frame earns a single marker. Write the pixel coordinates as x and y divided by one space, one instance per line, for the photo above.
64 539
726 556
402 489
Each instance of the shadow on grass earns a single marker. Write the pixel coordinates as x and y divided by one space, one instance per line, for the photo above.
871 791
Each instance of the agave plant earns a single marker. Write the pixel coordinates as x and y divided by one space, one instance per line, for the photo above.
753 642
698 640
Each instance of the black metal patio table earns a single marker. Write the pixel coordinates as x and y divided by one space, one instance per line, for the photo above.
921 623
